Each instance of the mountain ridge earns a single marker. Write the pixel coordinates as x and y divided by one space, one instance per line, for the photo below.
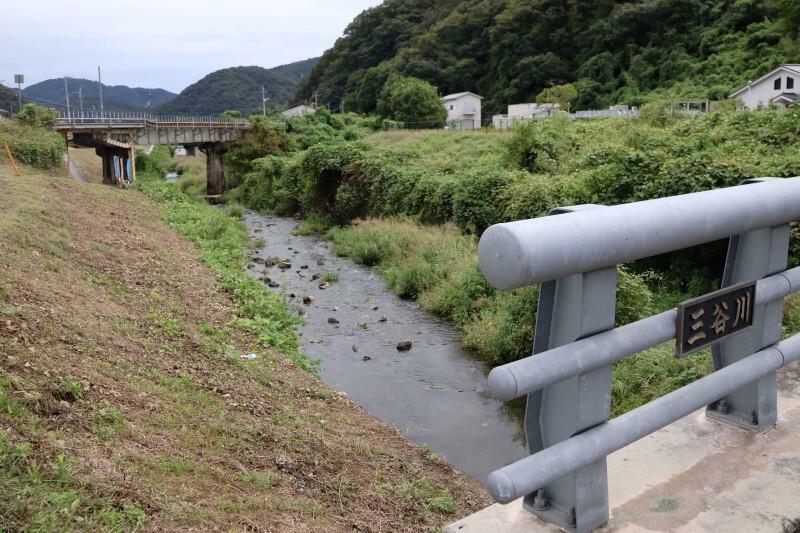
115 97
614 51
239 88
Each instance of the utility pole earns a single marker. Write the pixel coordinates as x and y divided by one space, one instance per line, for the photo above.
263 102
100 88
66 91
80 97
315 99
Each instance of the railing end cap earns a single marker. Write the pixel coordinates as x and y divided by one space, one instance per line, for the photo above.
503 384
500 257
501 487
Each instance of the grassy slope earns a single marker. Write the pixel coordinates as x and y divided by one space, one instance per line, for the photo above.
124 402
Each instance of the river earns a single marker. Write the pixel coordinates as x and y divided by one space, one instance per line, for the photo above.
435 393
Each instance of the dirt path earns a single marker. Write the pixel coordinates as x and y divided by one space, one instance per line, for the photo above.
122 382
76 172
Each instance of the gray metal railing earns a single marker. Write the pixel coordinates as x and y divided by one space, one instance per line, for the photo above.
89 119
574 255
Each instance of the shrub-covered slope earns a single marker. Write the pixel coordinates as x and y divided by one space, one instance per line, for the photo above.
615 51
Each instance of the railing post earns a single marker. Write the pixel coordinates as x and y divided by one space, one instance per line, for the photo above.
570 308
752 256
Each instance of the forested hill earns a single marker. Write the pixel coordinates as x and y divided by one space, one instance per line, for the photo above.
8 98
240 88
614 51
115 97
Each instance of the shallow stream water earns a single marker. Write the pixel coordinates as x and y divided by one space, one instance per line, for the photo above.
435 393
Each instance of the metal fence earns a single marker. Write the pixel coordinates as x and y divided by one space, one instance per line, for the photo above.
89 119
574 255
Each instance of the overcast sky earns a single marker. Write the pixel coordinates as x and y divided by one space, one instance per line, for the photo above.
167 43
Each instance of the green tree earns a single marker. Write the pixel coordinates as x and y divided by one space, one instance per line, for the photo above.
562 95
231 113
413 101
36 115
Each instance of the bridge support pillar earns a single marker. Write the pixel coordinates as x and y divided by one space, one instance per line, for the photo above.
118 164
215 175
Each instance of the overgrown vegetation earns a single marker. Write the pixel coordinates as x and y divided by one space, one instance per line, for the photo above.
612 51
30 140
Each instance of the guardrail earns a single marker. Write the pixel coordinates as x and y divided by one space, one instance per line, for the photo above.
145 120
574 255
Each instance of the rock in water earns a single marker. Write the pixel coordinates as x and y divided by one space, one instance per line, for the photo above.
332 320
308 300
324 285
404 346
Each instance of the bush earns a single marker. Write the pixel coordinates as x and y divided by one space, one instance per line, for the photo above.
32 145
538 145
479 197
37 116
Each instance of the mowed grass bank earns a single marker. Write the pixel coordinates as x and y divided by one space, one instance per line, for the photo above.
125 403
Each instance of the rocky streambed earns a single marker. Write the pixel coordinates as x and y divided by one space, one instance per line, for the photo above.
402 364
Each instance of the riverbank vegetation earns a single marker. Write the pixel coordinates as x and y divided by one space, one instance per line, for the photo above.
412 203
128 396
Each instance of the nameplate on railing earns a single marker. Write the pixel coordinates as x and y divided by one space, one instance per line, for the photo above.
708 319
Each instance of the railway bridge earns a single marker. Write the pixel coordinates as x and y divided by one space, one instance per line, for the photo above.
114 136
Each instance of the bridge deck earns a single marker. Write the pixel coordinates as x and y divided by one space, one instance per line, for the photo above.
693 475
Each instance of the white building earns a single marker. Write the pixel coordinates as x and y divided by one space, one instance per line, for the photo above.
298 111
779 87
522 112
463 110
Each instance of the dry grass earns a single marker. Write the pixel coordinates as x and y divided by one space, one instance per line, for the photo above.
99 295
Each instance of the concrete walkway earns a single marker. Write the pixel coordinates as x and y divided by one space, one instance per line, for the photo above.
693 475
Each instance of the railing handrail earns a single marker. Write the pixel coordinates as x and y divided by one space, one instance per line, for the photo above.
574 254
516 254
140 119
530 374
535 471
